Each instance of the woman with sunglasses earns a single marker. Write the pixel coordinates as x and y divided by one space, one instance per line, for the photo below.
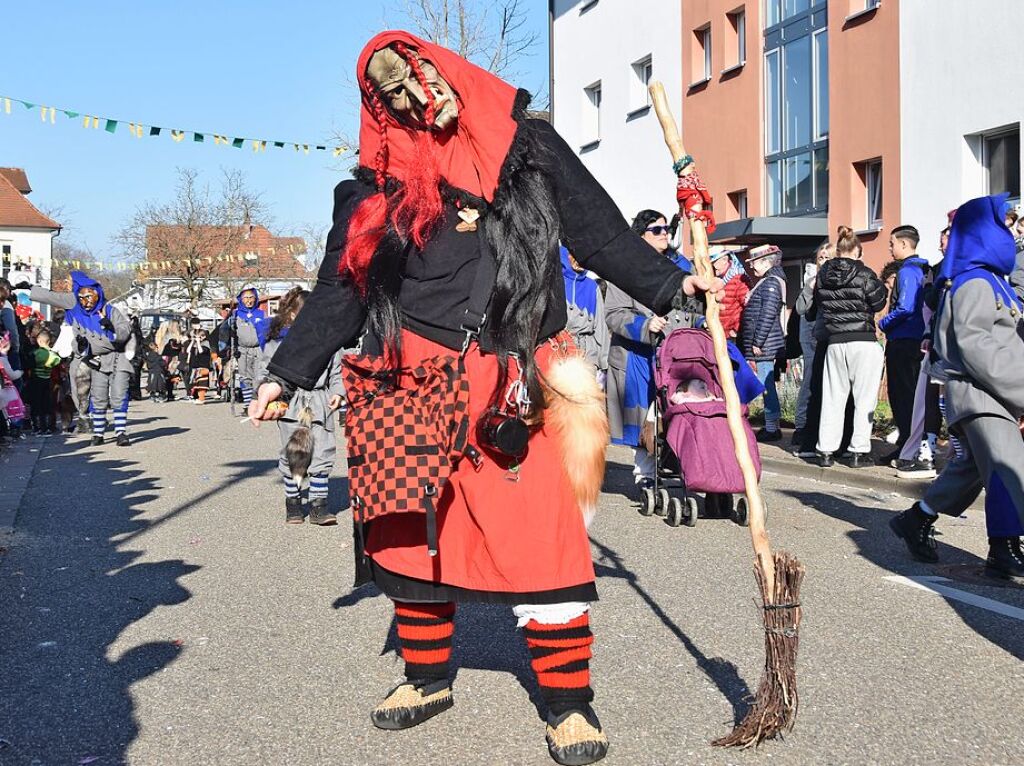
634 332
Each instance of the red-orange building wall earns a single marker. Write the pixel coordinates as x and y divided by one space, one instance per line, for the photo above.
722 120
864 91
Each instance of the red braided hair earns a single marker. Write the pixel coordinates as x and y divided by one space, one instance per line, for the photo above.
380 162
416 209
413 60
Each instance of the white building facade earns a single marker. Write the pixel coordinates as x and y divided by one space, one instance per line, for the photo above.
604 52
961 106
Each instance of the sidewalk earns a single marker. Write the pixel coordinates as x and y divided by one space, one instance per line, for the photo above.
776 458
17 465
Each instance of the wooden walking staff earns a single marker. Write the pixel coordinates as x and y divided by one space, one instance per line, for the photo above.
778 574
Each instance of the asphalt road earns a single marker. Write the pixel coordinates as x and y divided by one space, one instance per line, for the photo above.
155 609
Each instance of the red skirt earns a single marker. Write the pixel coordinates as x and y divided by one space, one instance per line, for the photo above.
510 537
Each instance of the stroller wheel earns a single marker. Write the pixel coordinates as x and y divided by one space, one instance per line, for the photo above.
691 512
674 516
661 507
647 502
741 512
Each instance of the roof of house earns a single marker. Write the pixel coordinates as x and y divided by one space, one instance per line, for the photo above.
17 177
232 252
16 212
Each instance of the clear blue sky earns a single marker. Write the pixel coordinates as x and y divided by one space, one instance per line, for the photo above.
263 68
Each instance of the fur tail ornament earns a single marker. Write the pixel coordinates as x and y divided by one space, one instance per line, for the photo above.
576 415
298 452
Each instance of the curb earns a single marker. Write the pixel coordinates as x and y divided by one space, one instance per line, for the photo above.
18 467
852 477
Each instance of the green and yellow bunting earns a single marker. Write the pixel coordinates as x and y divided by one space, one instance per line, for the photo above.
48 114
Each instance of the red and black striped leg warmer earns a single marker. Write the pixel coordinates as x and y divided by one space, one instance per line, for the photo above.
425 635
560 656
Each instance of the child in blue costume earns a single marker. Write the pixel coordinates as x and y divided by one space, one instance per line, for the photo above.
981 359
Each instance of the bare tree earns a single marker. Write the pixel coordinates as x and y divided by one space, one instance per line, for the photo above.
315 237
70 254
494 35
187 237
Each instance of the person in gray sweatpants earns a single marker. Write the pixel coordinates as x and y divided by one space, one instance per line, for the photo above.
104 335
249 323
849 294
980 348
323 400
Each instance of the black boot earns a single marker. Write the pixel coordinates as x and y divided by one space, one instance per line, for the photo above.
916 528
1005 559
122 439
293 510
97 441
318 513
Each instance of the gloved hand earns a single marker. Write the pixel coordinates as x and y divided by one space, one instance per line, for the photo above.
106 324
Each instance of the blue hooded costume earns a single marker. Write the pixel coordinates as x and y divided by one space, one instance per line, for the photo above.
254 317
980 357
88 322
107 333
585 313
251 327
980 247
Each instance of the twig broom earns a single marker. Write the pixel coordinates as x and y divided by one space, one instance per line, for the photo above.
778 574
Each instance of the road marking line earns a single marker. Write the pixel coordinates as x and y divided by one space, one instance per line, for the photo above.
930 585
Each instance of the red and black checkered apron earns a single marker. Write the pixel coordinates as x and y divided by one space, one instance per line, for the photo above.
405 427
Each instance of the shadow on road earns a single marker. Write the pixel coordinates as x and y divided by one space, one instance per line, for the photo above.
880 546
69 592
157 433
618 480
722 673
70 589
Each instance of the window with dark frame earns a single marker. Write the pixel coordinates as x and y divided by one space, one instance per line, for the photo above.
592 114
796 107
706 42
739 203
738 21
873 186
643 71
1000 156
702 54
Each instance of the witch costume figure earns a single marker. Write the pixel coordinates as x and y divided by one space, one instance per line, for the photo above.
978 352
104 335
476 432
249 323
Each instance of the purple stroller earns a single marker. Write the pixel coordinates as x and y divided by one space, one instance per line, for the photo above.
693 443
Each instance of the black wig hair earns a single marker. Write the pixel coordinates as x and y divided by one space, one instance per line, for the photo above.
644 219
522 229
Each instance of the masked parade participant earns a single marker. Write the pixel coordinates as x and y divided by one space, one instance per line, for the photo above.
104 339
249 322
476 432
978 352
